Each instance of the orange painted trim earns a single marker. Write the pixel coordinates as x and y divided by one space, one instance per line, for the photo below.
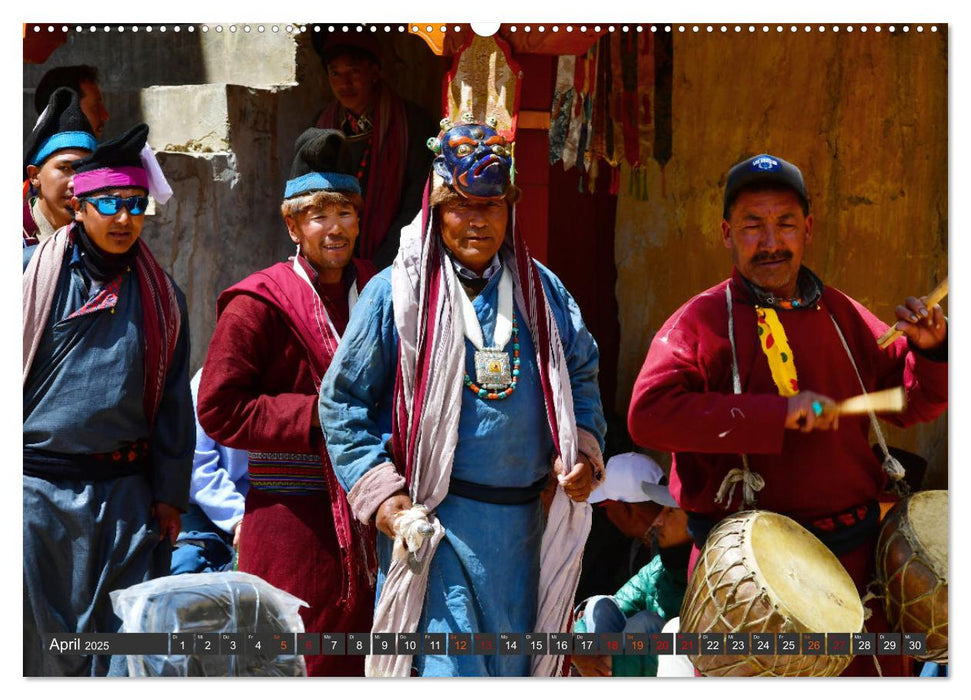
434 38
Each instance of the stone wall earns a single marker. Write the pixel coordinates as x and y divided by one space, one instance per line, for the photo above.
865 118
223 110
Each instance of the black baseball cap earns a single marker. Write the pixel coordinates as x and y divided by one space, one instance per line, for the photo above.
760 169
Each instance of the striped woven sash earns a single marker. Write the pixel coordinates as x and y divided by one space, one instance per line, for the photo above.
290 473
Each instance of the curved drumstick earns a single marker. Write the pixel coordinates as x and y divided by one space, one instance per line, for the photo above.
940 291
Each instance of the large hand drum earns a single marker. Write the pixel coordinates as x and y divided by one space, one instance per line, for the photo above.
763 572
912 569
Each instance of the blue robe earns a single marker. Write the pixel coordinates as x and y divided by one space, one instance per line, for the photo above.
484 576
83 538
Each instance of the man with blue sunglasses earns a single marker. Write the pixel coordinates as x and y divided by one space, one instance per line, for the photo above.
108 429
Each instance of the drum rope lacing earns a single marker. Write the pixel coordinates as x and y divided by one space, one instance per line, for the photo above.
752 482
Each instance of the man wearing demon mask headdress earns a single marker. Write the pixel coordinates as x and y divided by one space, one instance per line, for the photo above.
466 381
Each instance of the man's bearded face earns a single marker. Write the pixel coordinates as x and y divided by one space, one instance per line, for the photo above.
475 161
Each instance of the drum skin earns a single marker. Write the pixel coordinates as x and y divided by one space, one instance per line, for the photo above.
763 572
912 569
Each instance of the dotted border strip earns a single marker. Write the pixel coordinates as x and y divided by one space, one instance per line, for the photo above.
539 28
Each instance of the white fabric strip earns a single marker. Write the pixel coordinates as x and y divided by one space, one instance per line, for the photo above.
158 186
503 331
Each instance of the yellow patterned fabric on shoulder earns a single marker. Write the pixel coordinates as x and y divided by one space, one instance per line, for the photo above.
775 345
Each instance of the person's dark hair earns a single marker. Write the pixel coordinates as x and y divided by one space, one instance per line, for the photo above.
764 187
64 76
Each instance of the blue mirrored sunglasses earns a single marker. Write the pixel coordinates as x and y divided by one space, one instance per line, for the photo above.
111 205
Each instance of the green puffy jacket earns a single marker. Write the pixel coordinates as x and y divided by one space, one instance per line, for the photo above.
653 588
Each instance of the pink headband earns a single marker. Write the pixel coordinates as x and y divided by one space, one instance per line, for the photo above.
105 178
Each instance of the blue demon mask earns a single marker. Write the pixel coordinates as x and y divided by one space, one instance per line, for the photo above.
474 159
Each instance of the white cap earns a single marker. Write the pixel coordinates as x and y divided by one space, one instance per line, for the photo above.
628 475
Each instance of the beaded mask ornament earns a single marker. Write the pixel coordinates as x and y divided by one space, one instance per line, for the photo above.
472 158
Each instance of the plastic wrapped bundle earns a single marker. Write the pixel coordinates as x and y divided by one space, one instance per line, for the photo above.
223 602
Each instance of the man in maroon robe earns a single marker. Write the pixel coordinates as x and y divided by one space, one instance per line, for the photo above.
741 384
276 333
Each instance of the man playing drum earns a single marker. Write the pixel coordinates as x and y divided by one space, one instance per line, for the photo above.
741 383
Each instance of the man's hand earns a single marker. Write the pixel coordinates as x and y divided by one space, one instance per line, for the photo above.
389 508
592 665
237 528
578 482
169 520
809 411
925 328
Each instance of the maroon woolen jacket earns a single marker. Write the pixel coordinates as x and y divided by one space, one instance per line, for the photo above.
683 402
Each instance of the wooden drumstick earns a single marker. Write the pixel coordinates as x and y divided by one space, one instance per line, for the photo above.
940 291
886 401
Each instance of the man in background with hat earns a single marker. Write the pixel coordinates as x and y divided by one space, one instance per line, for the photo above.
651 597
795 347
465 379
59 140
618 547
386 139
83 80
108 432
276 333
